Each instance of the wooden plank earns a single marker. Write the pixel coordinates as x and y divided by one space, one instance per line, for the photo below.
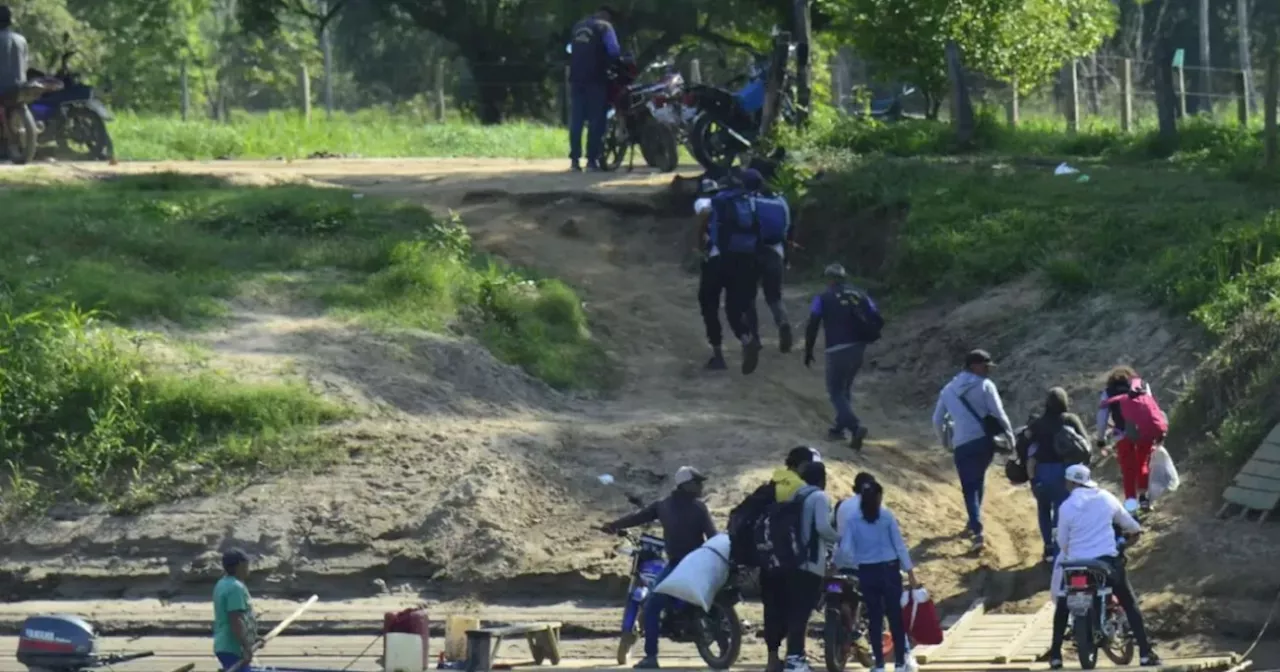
1251 482
1262 468
1251 499
976 610
1038 623
1272 440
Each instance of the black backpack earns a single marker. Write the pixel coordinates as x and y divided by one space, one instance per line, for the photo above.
1072 448
868 321
779 541
742 525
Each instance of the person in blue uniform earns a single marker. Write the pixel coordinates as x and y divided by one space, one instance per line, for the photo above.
593 51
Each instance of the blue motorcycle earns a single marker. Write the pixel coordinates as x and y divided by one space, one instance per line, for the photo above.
72 118
728 122
716 633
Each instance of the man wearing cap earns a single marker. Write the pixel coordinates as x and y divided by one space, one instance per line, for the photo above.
744 226
234 628
592 52
851 321
972 403
686 525
1088 522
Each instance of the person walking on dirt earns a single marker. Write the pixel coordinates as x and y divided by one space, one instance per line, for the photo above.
851 321
686 525
13 55
711 279
1047 466
1138 424
777 234
872 542
972 403
1087 525
235 630
594 50
743 223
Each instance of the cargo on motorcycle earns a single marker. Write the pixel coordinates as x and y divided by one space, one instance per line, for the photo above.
70 116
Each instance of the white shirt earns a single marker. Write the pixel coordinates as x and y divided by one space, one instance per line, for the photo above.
1085 525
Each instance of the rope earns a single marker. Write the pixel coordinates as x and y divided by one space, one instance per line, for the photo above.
366 650
1270 615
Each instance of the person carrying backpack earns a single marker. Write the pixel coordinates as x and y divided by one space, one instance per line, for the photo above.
1058 440
977 415
851 321
1139 425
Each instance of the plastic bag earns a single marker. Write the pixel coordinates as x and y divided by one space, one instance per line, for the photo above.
700 575
1164 476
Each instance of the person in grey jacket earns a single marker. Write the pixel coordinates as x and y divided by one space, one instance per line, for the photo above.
804 585
13 55
972 403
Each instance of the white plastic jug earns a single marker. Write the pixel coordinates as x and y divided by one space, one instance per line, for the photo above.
404 652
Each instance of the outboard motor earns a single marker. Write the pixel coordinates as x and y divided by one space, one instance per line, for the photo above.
64 643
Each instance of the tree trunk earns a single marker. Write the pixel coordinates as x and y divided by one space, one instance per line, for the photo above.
1270 98
804 76
961 107
326 46
1166 97
773 84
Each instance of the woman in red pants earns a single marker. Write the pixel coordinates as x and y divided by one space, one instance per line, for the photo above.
1138 425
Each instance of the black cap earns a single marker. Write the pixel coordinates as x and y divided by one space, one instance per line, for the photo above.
232 559
801 455
978 357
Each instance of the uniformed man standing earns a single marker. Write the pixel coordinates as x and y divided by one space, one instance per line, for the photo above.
594 49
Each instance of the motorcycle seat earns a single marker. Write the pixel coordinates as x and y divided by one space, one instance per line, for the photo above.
1093 566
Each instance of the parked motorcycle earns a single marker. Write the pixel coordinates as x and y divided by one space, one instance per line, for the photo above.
1097 620
73 118
844 630
728 122
886 109
631 123
19 131
717 633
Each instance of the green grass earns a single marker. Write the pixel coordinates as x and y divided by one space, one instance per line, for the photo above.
85 415
369 133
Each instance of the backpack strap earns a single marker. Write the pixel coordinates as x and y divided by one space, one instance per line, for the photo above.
755 222
969 407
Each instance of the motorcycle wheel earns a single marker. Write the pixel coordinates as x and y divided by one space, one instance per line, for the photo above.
660 147
1121 648
720 627
702 141
625 644
837 643
615 145
1086 649
22 135
83 134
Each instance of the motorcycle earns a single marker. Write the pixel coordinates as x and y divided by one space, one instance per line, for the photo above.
845 623
727 122
73 118
19 132
1097 620
682 623
882 109
631 122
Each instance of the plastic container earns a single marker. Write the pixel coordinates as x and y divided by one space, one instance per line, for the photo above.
397 650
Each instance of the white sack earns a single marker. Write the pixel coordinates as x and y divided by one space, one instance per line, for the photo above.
701 574
1164 476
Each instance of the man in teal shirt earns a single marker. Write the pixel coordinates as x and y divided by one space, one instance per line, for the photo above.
234 628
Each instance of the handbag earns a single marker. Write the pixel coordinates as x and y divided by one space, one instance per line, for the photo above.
991 425
920 618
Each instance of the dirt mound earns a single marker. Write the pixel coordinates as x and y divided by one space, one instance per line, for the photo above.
467 477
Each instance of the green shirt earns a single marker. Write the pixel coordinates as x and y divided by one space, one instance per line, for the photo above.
229 596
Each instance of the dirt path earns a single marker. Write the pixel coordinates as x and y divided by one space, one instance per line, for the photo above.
469 478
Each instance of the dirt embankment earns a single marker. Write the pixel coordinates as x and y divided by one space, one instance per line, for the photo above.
468 478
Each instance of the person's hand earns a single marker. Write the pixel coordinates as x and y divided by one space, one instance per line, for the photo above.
912 580
808 358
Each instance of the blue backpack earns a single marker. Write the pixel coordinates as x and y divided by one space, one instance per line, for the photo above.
739 224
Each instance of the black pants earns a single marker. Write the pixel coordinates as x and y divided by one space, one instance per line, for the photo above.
710 287
789 599
741 282
1119 582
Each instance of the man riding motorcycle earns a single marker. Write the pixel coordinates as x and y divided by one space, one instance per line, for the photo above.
686 525
1086 531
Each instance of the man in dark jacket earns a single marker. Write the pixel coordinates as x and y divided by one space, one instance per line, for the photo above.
593 51
1047 467
686 525
852 321
13 55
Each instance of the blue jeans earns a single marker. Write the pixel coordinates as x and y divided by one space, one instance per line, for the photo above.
588 105
1050 487
227 661
881 585
842 366
972 460
654 606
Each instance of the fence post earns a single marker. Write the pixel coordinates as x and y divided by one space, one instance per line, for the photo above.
1182 91
438 80
1012 111
1242 100
186 90
695 72
1126 95
304 78
1072 76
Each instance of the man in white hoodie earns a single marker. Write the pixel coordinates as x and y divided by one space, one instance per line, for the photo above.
972 403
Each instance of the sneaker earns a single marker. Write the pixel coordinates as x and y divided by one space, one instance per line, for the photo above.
835 435
978 542
1055 662
908 665
797 664
716 363
647 663
575 166
1151 660
594 167
858 435
750 356
1049 558
784 338
877 669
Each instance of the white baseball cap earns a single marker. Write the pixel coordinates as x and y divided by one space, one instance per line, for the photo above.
1080 475
686 474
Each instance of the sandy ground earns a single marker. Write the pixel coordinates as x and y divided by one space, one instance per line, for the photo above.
471 480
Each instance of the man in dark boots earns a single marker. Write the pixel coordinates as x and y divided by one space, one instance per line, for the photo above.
851 322
711 284
592 53
739 224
